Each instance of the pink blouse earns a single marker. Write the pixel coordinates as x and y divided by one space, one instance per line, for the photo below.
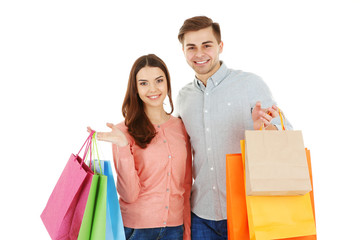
154 183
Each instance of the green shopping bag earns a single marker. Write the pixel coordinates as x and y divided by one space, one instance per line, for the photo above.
93 225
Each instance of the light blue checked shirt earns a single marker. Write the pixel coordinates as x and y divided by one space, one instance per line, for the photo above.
216 117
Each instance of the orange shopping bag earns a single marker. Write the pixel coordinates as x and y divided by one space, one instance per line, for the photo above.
237 218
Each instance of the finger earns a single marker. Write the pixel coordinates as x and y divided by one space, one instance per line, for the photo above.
271 112
257 106
89 130
100 136
265 121
103 136
266 115
110 125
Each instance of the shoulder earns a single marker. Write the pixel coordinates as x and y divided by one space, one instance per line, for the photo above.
187 88
177 124
248 79
246 76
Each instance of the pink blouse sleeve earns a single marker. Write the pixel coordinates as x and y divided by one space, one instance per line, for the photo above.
128 183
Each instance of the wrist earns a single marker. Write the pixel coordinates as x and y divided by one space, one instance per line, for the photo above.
121 142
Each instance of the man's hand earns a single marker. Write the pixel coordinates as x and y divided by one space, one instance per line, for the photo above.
263 116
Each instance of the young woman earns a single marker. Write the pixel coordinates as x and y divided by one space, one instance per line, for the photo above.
152 157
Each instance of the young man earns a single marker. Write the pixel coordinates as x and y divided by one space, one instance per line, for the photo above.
217 108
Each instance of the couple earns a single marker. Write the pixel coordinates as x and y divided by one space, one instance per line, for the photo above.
154 160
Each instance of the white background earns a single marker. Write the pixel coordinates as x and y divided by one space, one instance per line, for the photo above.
64 65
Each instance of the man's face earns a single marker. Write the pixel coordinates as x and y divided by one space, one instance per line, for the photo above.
202 51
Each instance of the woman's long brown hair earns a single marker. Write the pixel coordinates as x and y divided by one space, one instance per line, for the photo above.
139 125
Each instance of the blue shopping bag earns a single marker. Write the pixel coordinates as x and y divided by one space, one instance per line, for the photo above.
114 223
115 228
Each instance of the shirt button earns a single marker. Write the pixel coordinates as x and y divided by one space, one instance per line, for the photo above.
166 207
164 141
207 94
212 168
205 111
168 173
209 149
158 126
229 103
164 223
169 156
207 129
214 187
167 190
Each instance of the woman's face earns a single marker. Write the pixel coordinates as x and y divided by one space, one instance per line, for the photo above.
152 86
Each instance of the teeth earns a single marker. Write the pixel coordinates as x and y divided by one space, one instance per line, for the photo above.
153 97
202 62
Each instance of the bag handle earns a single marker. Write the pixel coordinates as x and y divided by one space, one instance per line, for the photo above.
93 151
94 142
88 145
282 119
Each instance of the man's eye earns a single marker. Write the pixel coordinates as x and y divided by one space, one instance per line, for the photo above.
207 46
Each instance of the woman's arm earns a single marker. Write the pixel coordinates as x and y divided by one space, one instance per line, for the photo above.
128 183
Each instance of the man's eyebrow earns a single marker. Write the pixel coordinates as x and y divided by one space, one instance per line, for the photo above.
191 44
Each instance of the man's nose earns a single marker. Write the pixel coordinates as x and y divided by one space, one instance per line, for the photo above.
199 52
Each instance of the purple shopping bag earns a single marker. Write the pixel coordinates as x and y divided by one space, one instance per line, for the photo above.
65 208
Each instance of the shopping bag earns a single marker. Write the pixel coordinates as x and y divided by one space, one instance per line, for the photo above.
237 219
281 217
310 237
64 210
93 225
275 163
114 223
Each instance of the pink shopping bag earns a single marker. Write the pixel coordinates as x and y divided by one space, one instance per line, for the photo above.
65 208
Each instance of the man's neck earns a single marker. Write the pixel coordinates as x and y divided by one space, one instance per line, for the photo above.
204 77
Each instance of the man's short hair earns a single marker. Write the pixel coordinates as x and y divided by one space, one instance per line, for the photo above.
198 23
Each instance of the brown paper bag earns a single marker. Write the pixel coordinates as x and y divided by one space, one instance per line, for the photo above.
275 163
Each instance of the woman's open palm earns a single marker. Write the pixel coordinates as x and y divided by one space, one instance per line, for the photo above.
116 136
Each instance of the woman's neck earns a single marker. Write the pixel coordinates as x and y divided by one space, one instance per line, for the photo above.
157 115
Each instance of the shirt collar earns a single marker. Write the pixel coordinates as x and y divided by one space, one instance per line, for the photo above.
215 79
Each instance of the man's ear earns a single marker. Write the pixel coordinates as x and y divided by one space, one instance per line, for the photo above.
221 45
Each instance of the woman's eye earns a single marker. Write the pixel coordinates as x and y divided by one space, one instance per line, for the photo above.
143 83
160 80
